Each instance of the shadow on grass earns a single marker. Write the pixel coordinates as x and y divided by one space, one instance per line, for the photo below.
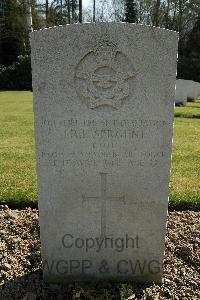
174 204
192 106
19 204
186 202
191 116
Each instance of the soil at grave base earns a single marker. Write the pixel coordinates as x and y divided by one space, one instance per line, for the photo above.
20 263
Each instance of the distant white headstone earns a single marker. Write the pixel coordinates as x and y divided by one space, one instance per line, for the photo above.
181 92
192 88
103 104
198 89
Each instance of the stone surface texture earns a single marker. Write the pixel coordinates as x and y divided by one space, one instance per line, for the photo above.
103 104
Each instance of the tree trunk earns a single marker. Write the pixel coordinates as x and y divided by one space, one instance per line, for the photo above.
94 10
68 11
167 16
61 7
47 10
174 17
80 11
73 15
29 16
156 14
180 19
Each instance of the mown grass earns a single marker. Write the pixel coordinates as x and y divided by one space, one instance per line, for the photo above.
17 153
190 110
185 170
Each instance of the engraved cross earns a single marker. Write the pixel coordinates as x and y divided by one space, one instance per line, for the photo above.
104 198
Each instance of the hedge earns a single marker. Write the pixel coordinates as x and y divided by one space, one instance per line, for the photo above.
17 76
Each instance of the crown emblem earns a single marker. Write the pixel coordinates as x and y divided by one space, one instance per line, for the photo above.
105 51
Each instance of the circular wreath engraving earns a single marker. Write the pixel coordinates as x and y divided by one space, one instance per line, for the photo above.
103 78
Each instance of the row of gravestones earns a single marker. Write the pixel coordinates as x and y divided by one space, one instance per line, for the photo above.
186 90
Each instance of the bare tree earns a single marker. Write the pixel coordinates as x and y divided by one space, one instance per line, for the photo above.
80 11
61 7
47 10
94 11
68 11
73 10
29 16
156 13
166 14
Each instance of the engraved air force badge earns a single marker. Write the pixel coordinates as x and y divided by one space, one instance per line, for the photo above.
103 78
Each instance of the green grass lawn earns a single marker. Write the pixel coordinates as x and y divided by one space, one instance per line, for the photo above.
17 153
191 109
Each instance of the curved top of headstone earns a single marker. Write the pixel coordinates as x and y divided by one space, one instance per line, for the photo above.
106 64
78 26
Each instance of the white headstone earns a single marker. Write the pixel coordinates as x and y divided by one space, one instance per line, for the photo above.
181 92
192 88
198 89
103 104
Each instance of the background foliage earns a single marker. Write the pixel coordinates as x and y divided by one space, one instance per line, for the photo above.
16 15
16 76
